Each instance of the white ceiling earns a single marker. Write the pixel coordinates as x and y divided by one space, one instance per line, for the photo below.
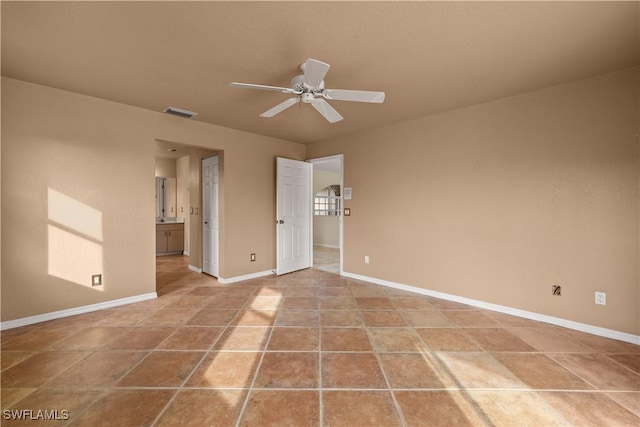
428 57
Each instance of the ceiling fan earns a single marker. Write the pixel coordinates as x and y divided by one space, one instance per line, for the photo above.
309 88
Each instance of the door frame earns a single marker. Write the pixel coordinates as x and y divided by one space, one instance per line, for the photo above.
334 157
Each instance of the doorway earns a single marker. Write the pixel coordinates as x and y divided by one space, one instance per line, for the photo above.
327 189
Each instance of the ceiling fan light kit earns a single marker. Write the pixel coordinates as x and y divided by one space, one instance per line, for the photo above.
309 88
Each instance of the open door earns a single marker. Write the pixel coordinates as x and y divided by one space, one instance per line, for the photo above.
293 215
210 220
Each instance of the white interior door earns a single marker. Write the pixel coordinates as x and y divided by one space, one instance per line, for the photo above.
293 215
210 216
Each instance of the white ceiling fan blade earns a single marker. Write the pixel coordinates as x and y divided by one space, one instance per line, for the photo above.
354 95
327 111
314 72
262 87
280 107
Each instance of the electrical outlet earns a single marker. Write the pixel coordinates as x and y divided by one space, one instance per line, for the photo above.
253 257
96 280
366 259
556 290
601 298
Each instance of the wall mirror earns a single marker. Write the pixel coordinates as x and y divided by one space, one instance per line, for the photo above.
166 197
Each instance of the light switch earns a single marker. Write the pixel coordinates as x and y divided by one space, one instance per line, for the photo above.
347 211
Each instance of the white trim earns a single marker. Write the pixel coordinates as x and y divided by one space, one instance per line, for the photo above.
194 268
245 277
570 324
186 253
10 324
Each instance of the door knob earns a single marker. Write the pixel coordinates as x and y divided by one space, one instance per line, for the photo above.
281 221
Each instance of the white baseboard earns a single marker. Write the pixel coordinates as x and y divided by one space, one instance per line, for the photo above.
194 268
583 327
10 324
245 277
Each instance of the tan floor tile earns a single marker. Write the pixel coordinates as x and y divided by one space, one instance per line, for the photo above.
169 317
288 370
470 318
516 408
428 318
345 339
338 303
191 301
38 339
359 408
225 369
212 317
548 339
374 303
479 370
140 338
540 372
162 369
629 361
436 408
243 338
600 371
301 303
497 339
222 303
336 291
11 396
89 338
282 408
396 339
447 339
100 369
124 317
582 409
443 304
383 318
265 303
351 370
59 400
294 339
629 400
192 338
599 344
341 318
414 370
124 408
298 318
40 368
368 291
411 303
10 358
302 292
255 318
199 408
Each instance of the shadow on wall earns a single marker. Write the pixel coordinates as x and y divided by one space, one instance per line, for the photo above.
75 239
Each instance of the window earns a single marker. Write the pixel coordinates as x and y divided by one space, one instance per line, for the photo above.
327 201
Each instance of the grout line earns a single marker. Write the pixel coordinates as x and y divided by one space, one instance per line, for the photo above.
255 377
386 379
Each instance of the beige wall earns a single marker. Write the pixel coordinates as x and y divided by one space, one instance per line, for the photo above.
500 201
166 167
98 157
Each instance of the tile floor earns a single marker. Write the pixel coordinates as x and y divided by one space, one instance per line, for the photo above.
312 348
